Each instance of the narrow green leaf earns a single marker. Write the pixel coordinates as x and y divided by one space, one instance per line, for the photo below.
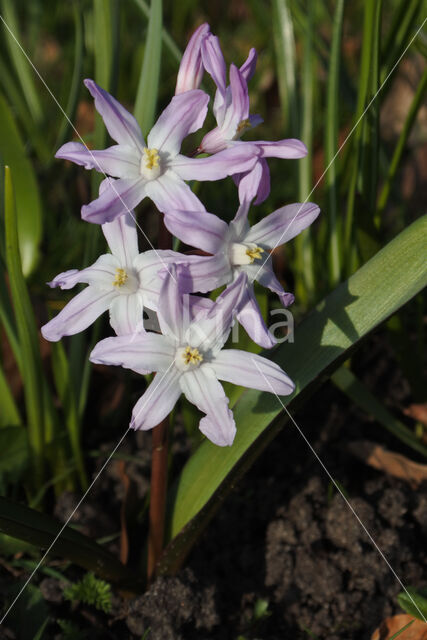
40 530
331 145
32 372
414 602
168 41
402 29
286 62
14 453
148 86
397 634
9 414
13 154
19 61
345 380
322 341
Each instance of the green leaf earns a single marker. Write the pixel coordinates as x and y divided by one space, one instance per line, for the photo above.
9 414
30 606
397 634
32 372
168 41
13 154
14 456
345 380
40 530
322 341
148 86
92 591
414 602
286 62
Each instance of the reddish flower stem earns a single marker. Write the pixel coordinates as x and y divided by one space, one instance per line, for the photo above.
159 465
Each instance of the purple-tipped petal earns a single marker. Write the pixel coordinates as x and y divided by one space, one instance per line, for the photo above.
235 159
251 319
238 110
119 161
283 224
191 68
197 229
121 124
202 388
78 314
169 191
122 238
252 371
66 279
248 67
119 197
290 148
211 331
126 314
184 114
158 401
143 352
265 276
254 183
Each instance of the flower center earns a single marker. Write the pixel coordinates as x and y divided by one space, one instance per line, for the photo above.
150 166
121 277
243 126
242 253
188 358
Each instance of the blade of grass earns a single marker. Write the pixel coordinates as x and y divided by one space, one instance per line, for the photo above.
32 373
148 85
331 144
345 380
400 146
20 63
401 30
286 63
9 414
397 634
168 41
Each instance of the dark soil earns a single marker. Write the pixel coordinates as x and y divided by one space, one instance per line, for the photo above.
285 558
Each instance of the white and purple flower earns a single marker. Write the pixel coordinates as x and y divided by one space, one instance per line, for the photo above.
156 170
189 358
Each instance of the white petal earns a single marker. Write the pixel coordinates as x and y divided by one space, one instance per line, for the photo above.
126 314
122 238
143 353
158 401
252 371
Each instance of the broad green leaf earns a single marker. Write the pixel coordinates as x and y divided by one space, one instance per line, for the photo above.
13 154
345 380
14 453
322 341
40 530
148 86
414 602
32 372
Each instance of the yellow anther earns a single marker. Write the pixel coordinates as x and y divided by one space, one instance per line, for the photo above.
242 126
121 277
254 254
192 356
152 158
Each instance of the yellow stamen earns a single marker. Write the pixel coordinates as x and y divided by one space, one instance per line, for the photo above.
192 356
121 277
152 158
254 254
242 126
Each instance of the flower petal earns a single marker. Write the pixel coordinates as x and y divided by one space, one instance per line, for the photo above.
265 276
170 309
66 279
289 148
202 388
184 114
197 229
121 125
205 273
158 401
283 224
248 67
169 191
238 109
236 159
191 68
126 314
141 352
119 161
254 183
251 319
119 197
78 314
122 238
214 62
211 331
251 370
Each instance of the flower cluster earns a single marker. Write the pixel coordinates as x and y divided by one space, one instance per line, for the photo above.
187 354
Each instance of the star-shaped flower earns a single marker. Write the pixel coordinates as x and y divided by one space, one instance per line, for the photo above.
156 169
189 358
